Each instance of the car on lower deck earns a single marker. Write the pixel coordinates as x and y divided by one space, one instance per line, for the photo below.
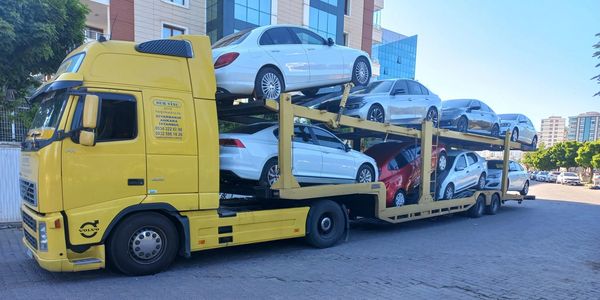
249 153
469 115
466 169
399 166
518 178
520 127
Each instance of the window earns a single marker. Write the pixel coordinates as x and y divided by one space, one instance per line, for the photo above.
398 162
278 36
232 39
345 39
472 158
170 30
118 120
177 2
424 90
461 163
327 139
308 37
377 19
302 135
347 4
413 88
323 22
399 86
257 12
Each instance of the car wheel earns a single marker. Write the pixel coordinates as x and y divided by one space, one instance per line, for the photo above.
376 113
463 124
268 84
449 192
442 162
478 208
481 182
310 92
361 72
432 115
270 173
399 198
326 224
495 130
365 174
534 142
142 244
525 189
514 136
494 206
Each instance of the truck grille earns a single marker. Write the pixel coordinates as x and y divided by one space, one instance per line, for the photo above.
30 239
29 221
28 192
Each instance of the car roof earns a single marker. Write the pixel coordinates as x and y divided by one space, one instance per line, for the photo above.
383 152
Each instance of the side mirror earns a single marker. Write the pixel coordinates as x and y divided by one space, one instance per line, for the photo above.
87 136
330 42
398 92
347 147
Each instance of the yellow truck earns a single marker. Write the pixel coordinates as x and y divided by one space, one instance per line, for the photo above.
121 167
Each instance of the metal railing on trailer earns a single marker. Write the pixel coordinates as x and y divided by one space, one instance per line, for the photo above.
287 186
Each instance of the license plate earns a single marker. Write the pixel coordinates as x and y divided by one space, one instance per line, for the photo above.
29 253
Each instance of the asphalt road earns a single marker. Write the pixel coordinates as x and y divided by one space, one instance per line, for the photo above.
541 249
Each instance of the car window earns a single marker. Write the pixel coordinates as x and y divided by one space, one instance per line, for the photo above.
401 87
471 158
377 87
278 36
232 39
512 166
308 37
413 88
327 139
424 90
495 164
461 163
484 107
302 135
251 129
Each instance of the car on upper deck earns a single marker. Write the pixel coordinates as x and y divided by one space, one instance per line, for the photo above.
520 127
469 115
266 61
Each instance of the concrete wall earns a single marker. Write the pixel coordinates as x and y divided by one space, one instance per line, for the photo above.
10 199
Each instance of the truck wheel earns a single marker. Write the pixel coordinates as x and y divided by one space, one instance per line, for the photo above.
325 225
478 208
492 209
143 244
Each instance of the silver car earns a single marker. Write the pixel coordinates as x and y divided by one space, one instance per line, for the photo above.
518 178
468 170
469 115
397 101
520 127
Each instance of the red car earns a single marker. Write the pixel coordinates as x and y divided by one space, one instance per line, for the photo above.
400 167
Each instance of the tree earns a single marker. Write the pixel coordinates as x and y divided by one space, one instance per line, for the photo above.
597 55
544 160
36 35
564 154
586 154
596 161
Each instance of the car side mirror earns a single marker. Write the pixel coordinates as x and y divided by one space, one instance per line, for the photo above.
523 122
87 136
330 42
347 147
398 92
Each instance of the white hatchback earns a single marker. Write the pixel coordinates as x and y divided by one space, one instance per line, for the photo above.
264 62
249 153
468 170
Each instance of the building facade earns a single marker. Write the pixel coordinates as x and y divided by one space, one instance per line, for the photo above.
584 127
552 131
396 55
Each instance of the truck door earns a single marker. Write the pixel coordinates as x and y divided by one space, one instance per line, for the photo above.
113 169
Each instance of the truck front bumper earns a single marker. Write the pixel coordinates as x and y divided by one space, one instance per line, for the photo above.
55 256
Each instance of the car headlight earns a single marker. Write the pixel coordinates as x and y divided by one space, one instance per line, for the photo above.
355 105
493 176
43 236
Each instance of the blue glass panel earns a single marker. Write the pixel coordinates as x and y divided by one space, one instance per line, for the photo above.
322 21
240 12
332 23
265 6
252 16
240 2
253 4
265 19
313 18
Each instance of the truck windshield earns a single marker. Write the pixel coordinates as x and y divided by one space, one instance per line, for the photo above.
51 107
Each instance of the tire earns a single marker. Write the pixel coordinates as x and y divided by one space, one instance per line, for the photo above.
149 231
525 189
270 173
495 130
478 208
462 125
365 174
361 72
376 113
268 84
399 198
448 192
442 162
433 116
494 206
514 136
310 92
326 224
534 142
481 182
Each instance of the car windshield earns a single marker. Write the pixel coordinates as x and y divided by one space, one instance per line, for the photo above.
570 174
51 108
555 173
456 103
543 173
251 129
509 117
377 87
232 39
495 164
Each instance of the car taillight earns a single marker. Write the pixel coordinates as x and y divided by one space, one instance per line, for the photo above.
226 59
231 143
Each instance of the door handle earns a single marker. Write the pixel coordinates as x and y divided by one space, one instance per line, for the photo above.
275 51
135 181
409 99
311 49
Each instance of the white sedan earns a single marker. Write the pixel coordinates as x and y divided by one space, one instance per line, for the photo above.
249 153
518 178
568 178
264 62
468 170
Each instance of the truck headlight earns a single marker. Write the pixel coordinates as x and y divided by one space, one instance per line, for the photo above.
43 236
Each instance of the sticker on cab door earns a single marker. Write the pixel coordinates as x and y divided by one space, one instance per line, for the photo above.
89 230
168 116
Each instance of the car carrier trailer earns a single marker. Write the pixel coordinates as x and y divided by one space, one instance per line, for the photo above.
136 203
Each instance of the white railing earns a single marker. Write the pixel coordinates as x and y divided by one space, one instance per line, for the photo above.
10 199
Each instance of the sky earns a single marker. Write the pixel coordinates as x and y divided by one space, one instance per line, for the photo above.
532 57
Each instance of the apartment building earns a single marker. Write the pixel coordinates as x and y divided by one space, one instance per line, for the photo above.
584 127
552 131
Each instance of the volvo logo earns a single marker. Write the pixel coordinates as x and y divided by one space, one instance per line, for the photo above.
89 229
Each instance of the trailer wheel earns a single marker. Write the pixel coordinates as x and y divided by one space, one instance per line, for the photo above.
477 210
325 225
494 206
143 244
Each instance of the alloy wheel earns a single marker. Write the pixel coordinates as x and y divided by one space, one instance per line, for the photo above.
270 86
432 115
400 199
376 114
361 72
273 174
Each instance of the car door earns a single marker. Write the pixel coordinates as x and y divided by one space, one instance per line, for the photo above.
513 176
399 106
475 116
326 64
422 103
490 117
337 163
288 54
529 129
306 154
461 173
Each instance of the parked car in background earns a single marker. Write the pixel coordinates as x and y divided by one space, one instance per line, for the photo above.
568 178
542 176
520 127
397 101
469 115
596 180
265 61
518 179
467 169
400 167
552 176
249 153
533 175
